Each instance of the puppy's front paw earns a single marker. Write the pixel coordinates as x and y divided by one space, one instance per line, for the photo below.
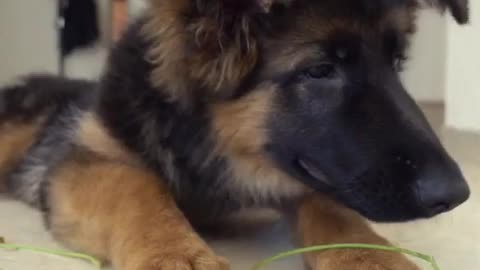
187 258
186 262
360 260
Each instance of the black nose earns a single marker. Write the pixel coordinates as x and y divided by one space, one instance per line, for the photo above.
439 191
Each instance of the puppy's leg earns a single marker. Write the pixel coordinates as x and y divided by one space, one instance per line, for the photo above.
322 221
124 215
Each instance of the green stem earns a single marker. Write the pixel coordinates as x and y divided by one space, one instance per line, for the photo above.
258 266
68 254
283 255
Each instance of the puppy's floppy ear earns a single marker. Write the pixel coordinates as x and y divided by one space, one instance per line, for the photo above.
458 8
203 47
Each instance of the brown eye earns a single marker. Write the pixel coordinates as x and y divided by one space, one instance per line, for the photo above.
321 71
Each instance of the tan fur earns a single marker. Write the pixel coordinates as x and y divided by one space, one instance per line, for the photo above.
312 28
15 139
93 136
240 134
196 51
123 214
287 59
322 221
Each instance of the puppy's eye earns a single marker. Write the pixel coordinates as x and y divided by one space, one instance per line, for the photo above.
321 71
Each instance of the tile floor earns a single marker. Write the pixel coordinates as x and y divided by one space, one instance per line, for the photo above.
454 238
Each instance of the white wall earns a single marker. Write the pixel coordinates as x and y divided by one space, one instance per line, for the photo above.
27 37
28 41
463 73
424 75
136 6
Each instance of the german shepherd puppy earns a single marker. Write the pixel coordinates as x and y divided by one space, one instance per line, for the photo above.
209 107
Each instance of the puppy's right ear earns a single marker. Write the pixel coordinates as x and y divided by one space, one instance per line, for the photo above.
458 8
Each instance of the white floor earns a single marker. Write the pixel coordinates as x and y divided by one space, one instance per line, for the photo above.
454 238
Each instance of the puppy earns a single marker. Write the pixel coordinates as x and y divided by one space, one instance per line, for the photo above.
209 107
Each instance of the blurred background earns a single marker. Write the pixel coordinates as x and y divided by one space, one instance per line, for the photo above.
72 37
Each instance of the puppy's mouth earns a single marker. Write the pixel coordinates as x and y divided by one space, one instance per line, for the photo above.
314 176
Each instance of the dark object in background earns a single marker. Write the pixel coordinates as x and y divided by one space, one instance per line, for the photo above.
79 24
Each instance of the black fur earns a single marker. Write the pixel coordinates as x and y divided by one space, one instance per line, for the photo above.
61 102
37 95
